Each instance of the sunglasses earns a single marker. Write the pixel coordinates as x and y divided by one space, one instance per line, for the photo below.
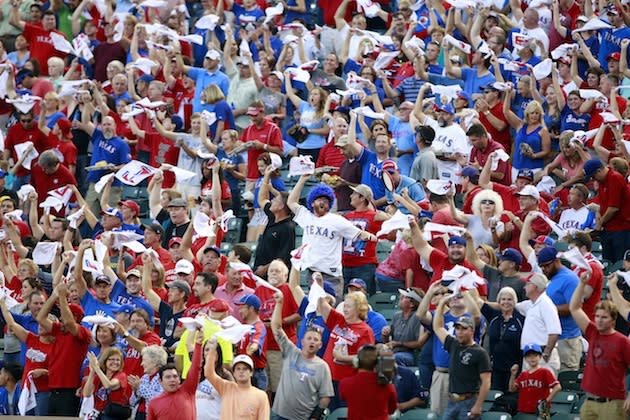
26 121
487 202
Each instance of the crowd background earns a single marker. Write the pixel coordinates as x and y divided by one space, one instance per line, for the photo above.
441 183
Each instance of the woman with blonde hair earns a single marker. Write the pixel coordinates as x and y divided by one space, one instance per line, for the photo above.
108 384
213 100
487 254
532 143
483 224
50 109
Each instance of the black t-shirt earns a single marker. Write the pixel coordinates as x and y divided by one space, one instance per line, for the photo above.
466 363
162 217
497 281
277 241
172 231
168 322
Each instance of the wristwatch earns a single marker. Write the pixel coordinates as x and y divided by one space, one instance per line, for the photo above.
126 334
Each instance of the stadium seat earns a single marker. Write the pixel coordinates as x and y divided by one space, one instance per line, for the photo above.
339 414
565 416
383 300
495 415
614 267
523 416
563 402
493 394
570 380
419 414
578 405
235 228
387 313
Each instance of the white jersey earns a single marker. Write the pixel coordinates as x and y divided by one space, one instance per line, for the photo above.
207 401
573 219
325 237
451 139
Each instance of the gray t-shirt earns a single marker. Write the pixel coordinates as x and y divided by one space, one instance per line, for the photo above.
189 163
497 281
404 330
302 383
272 100
425 166
319 78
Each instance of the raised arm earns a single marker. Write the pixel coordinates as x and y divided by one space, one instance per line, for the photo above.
294 197
18 331
623 306
147 288
438 319
290 92
459 216
419 243
294 285
14 16
514 121
575 306
276 317
340 14
66 314
36 228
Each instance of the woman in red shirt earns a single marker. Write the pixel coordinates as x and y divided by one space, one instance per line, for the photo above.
108 383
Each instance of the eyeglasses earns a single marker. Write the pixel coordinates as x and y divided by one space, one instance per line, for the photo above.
487 202
26 121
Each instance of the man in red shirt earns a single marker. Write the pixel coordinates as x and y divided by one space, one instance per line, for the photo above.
203 288
608 356
38 37
49 174
613 217
482 147
330 154
491 116
254 344
143 336
153 239
593 289
67 353
178 400
263 136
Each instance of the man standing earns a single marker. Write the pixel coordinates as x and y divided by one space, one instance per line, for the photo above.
67 354
49 174
469 365
209 74
607 361
107 51
326 77
323 231
593 288
425 165
233 290
480 152
401 183
242 91
203 288
254 344
304 374
178 399
178 218
562 284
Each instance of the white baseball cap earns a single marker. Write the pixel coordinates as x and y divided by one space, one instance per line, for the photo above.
531 191
213 55
184 266
243 358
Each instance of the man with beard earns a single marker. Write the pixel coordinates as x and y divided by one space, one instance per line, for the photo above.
277 276
324 231
204 287
303 373
450 143
107 149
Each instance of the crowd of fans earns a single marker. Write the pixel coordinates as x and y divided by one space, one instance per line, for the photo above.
239 210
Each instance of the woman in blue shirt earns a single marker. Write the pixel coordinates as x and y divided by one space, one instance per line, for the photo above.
311 118
532 143
213 100
570 116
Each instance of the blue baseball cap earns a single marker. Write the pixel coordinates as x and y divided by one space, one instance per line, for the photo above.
358 283
547 255
3 173
113 212
591 166
526 174
464 95
532 347
147 78
542 240
250 300
511 254
445 108
330 289
457 240
127 309
470 172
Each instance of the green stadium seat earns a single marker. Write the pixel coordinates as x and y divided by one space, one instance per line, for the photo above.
384 300
338 414
564 401
495 415
420 414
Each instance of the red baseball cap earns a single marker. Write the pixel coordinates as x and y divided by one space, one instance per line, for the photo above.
174 241
218 305
614 56
130 204
65 125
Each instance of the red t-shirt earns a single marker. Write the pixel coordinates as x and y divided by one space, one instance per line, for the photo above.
353 335
567 20
66 356
443 217
196 309
18 135
226 192
163 150
258 336
366 398
481 157
502 137
467 208
608 141
67 150
269 134
409 259
533 387
440 263
119 396
36 358
330 155
359 252
267 305
178 93
596 281
133 358
510 198
43 182
608 357
41 45
613 192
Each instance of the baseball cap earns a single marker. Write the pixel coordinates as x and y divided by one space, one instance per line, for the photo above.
102 278
113 212
547 255
330 289
253 111
77 312
364 191
511 254
181 285
134 272
358 283
389 166
410 293
614 56
466 322
127 309
213 55
626 255
156 228
65 125
250 300
177 202
214 249
489 86
456 59
538 280
581 18
464 95
218 305
542 240
612 10
147 78
3 173
278 74
130 204
529 190
457 240
532 348
470 172
243 358
526 174
184 266
174 241
591 166
445 108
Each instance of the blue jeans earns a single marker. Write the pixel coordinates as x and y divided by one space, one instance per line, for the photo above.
277 417
12 357
614 244
42 403
458 410
426 373
404 358
365 273
81 174
260 379
388 284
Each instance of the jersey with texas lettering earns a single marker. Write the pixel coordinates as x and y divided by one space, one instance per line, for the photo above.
533 387
449 140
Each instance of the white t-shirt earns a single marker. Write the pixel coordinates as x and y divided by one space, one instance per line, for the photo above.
573 219
325 236
207 401
537 33
451 139
541 319
189 163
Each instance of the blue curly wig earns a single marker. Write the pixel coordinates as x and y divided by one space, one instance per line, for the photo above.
321 190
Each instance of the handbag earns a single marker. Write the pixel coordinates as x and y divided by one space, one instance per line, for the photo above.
298 133
115 411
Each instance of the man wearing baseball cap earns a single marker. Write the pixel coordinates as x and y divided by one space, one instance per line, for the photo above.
254 345
562 284
619 32
403 335
400 182
483 145
179 220
425 164
469 176
153 239
505 275
239 399
206 76
130 292
613 217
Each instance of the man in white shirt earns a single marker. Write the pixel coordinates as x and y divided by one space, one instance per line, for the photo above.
542 323
577 216
324 232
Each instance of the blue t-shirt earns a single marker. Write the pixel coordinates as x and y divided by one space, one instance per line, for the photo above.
120 296
309 119
312 320
611 43
276 182
114 150
371 172
534 140
203 78
243 17
408 385
235 159
560 289
28 323
223 112
570 120
405 139
92 306
473 83
377 322
416 192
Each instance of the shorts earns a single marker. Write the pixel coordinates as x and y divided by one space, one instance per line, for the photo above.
258 219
